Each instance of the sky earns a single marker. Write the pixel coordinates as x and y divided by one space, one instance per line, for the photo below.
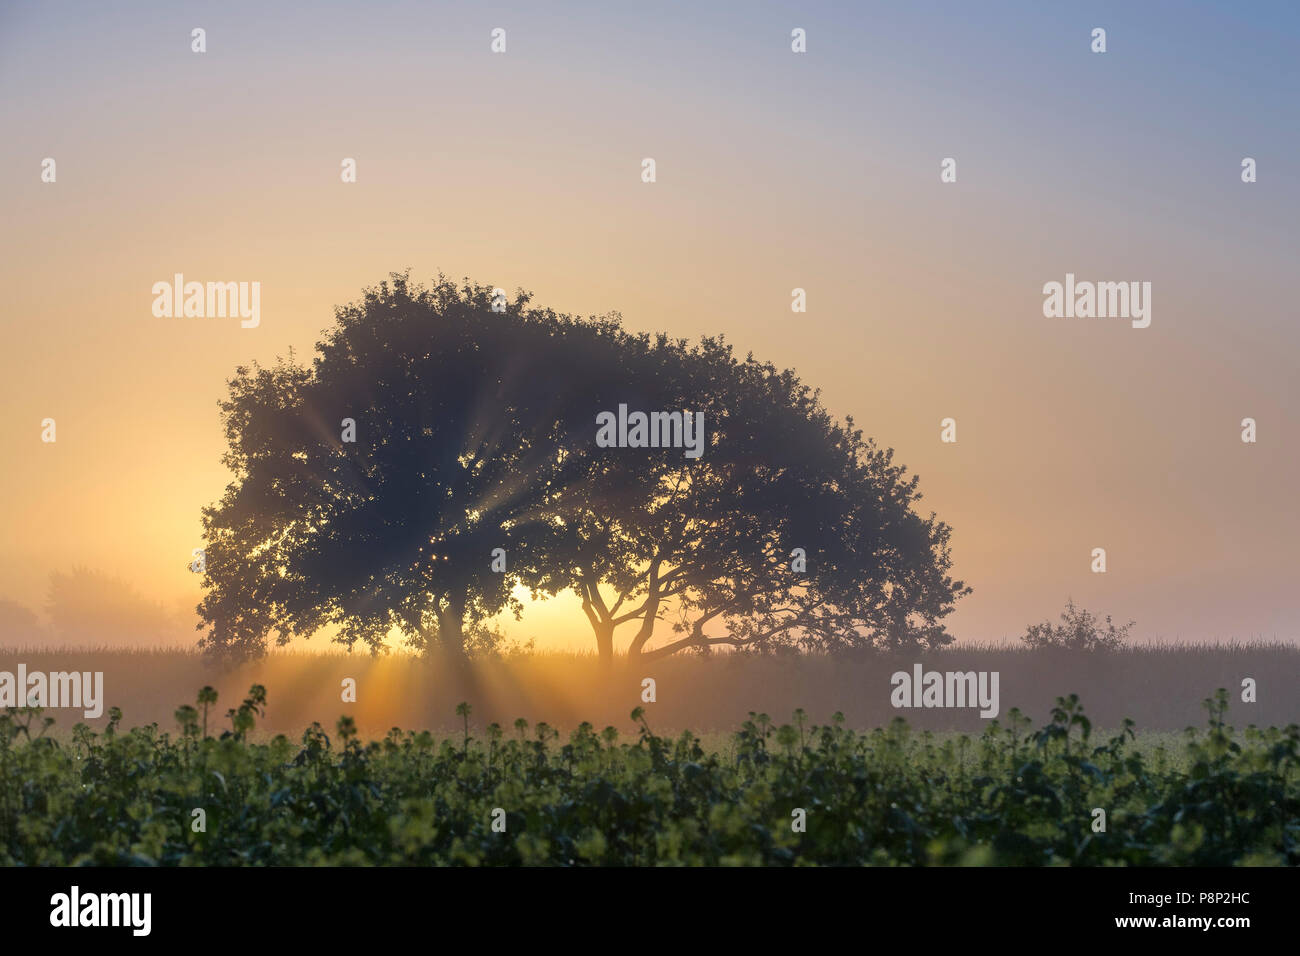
775 170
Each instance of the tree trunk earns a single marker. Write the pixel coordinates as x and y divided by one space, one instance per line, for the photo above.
593 605
643 635
451 627
647 628
605 644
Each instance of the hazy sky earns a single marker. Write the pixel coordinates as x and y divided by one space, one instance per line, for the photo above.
775 170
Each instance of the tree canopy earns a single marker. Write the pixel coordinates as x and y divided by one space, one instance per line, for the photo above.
440 452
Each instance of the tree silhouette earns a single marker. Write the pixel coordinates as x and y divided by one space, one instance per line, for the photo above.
475 430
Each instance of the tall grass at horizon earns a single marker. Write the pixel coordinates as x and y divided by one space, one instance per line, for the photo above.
1159 688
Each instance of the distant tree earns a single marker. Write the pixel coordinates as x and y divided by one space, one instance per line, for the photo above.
1079 630
93 608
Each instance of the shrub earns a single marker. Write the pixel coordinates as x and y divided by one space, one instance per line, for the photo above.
1079 630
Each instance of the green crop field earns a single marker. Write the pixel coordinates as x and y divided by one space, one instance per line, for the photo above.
782 794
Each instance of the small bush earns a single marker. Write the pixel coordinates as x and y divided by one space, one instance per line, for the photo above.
1079 630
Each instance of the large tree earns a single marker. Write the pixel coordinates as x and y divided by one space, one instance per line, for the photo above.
434 426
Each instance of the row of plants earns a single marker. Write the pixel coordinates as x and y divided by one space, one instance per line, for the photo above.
793 794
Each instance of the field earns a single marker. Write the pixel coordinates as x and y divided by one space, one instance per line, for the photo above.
796 793
551 760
